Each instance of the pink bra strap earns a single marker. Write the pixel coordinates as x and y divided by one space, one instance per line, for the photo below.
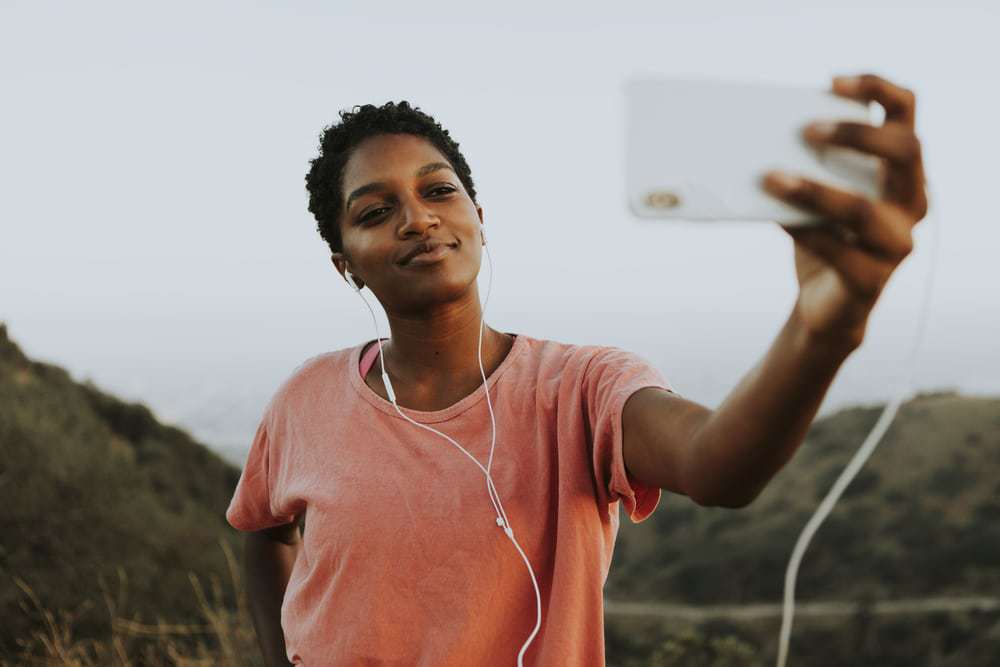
369 357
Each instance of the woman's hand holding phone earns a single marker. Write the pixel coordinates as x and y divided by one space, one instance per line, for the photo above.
843 265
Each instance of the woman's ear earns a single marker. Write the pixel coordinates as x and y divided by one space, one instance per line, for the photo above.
343 269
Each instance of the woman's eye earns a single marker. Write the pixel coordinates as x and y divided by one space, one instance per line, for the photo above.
372 214
445 188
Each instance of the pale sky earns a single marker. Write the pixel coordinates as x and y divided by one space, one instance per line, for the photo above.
156 237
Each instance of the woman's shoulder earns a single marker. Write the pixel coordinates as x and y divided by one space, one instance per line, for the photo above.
305 378
558 356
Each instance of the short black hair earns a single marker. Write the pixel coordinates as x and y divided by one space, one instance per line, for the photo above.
325 180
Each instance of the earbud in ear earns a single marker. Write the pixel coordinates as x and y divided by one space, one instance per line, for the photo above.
350 280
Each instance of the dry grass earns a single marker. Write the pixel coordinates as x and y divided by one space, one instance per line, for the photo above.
224 638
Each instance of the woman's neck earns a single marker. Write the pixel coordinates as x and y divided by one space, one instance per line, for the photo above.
448 361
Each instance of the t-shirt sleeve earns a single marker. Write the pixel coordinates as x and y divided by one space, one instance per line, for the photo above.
612 375
251 506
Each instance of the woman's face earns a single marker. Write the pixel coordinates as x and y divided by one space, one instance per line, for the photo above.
399 191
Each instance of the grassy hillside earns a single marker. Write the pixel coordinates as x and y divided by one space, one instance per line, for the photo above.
114 531
91 486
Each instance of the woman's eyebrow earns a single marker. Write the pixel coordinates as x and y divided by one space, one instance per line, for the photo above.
379 185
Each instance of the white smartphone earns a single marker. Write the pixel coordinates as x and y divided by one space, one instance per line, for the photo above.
696 149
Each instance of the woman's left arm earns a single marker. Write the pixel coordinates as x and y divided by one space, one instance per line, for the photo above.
842 267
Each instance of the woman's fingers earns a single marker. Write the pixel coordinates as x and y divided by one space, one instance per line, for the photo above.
900 103
898 144
904 179
892 141
876 226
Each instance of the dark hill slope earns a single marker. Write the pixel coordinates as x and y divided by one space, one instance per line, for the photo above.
89 483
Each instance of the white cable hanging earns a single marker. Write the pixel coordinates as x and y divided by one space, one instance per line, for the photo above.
888 414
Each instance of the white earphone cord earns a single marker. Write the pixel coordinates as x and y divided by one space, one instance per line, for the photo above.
888 414
491 490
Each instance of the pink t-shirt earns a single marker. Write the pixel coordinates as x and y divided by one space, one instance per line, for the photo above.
402 562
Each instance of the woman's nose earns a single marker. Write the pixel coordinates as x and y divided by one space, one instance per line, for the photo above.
416 215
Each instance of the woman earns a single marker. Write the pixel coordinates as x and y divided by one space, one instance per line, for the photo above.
438 535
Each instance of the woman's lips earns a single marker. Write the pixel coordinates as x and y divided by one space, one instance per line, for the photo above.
431 257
